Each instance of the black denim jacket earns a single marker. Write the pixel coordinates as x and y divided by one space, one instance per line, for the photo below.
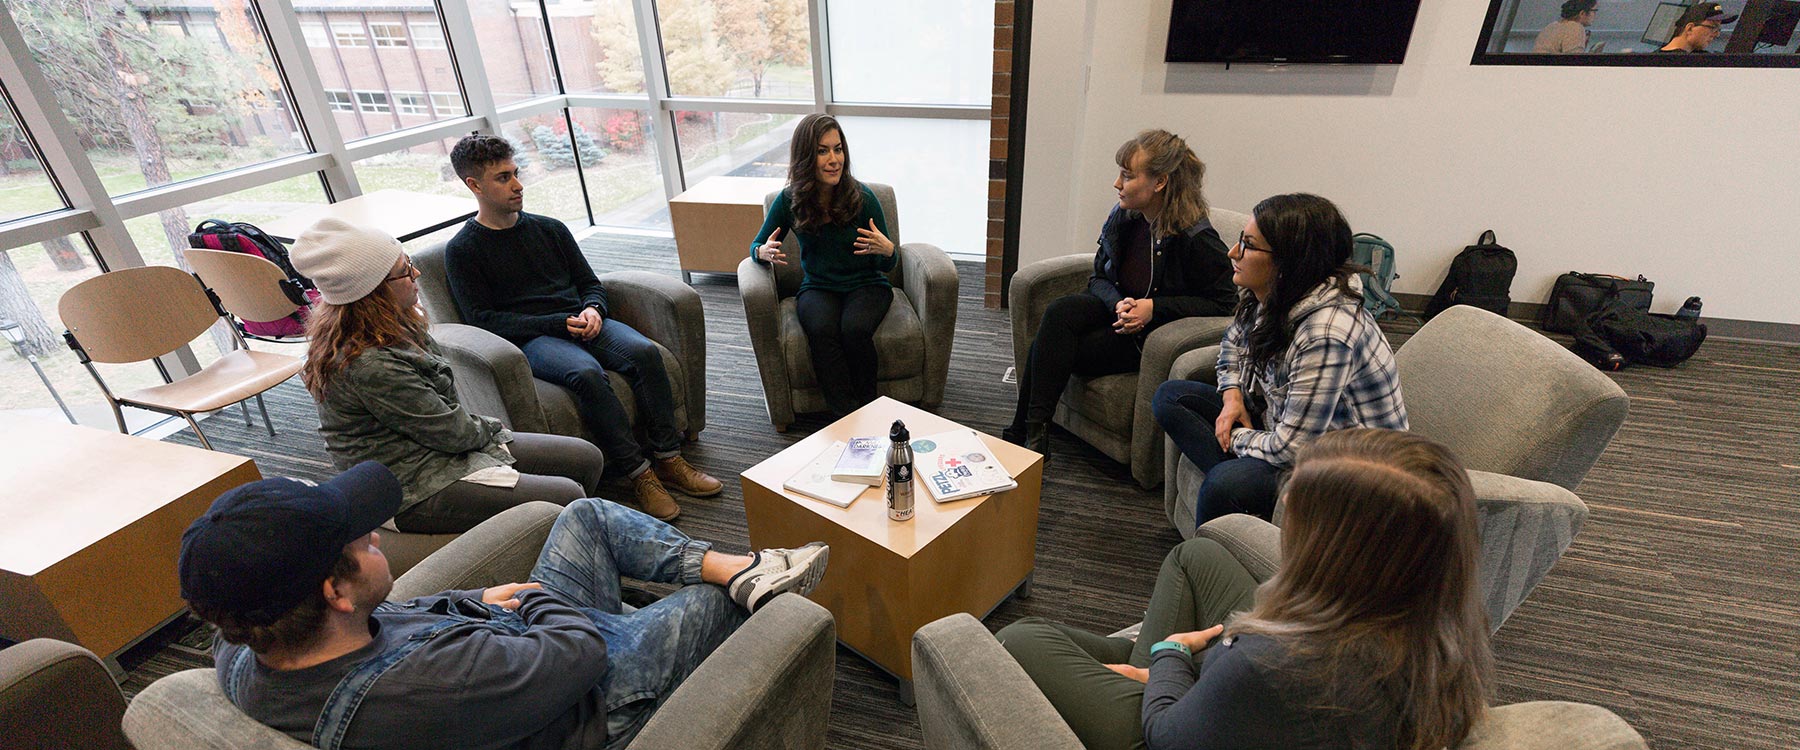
1190 273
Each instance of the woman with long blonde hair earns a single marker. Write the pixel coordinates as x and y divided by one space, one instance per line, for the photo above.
386 394
1159 259
1371 634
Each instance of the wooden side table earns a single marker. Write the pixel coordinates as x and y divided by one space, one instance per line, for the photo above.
403 214
886 578
715 220
90 528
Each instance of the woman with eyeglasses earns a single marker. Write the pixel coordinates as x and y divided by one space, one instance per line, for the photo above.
386 394
1370 634
1159 260
1301 358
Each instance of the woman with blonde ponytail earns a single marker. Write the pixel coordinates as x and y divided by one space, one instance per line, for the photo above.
1159 259
1371 634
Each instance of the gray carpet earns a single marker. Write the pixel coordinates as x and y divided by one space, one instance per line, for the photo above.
1678 606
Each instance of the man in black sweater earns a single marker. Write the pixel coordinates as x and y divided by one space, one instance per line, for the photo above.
522 277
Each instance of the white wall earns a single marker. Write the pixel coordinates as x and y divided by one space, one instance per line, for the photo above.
1688 176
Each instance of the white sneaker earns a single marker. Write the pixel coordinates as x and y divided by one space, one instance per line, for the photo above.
773 572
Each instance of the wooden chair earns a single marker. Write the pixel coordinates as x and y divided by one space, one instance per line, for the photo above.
138 314
249 288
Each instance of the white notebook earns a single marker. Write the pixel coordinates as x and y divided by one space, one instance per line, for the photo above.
814 480
957 465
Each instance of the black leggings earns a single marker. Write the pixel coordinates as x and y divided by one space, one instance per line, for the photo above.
840 332
1076 337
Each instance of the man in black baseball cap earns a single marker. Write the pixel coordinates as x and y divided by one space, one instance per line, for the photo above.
293 577
1697 28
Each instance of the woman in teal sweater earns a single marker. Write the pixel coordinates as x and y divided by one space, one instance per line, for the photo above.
845 254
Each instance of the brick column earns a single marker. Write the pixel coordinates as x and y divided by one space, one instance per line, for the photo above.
999 132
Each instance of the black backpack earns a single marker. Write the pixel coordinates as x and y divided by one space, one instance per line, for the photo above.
1480 276
1618 333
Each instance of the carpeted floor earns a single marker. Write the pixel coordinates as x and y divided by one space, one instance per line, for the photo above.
1678 606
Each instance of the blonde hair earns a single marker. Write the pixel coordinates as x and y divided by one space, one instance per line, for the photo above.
1378 593
1168 157
341 333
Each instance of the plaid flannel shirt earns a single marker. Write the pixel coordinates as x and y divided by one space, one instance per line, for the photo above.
1338 373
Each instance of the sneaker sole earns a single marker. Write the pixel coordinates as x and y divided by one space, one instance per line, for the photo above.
801 578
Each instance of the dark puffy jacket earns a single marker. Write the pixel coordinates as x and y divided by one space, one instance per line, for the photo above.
1190 275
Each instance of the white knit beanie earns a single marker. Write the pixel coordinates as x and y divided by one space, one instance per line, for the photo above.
346 261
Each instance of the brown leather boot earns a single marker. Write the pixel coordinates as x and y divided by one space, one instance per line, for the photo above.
678 473
653 499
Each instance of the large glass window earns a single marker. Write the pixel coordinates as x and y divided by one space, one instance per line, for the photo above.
602 54
548 166
733 143
738 48
624 187
421 169
947 46
513 49
32 279
938 169
151 109
378 80
25 188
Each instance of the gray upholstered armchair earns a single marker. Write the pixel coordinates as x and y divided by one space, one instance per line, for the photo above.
493 378
1112 412
913 340
767 686
972 695
1527 418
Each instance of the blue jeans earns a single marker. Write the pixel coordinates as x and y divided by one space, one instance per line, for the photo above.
581 366
650 651
1186 410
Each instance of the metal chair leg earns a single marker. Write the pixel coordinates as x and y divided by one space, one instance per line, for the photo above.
247 421
197 432
118 414
265 412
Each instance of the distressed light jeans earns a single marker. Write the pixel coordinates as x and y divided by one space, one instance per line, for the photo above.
649 651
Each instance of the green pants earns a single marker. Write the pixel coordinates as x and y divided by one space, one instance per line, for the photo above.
1199 586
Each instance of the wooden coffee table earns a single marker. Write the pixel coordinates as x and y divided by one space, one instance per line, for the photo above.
888 578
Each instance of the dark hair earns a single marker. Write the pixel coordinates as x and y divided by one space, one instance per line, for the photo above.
292 630
1573 8
1310 243
1378 593
475 152
846 200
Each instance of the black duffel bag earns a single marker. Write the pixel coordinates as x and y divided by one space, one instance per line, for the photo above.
1578 295
1618 334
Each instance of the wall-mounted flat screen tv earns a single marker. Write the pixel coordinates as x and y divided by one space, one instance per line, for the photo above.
1291 31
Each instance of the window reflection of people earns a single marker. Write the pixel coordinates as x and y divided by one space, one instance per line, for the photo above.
1697 28
1570 34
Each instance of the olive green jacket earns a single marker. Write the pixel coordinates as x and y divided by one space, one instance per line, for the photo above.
397 405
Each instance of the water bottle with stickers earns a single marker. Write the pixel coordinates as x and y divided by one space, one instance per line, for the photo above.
899 473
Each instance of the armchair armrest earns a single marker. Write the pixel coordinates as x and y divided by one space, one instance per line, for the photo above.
929 278
1525 527
1254 542
501 549
768 685
1553 725
972 694
669 313
762 311
1034 287
492 377
1161 348
1197 364
188 711
58 694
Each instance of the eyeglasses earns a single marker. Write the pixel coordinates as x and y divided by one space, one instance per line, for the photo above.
405 273
1244 242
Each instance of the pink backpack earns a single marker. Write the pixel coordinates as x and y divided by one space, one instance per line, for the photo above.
239 237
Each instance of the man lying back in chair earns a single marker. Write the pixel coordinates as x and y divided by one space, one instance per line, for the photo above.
293 576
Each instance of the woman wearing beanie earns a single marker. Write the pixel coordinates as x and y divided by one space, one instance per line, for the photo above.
386 394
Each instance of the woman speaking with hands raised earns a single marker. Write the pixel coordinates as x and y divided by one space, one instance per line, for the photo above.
1159 260
835 225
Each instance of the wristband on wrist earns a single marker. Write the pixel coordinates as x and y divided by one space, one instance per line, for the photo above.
1166 645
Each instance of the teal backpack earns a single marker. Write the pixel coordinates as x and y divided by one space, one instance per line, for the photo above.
1375 253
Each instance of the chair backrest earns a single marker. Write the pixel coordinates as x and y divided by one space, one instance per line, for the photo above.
1228 223
134 314
434 285
248 286
1506 399
788 277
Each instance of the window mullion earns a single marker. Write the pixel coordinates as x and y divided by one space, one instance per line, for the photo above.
821 54
465 56
656 84
307 91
